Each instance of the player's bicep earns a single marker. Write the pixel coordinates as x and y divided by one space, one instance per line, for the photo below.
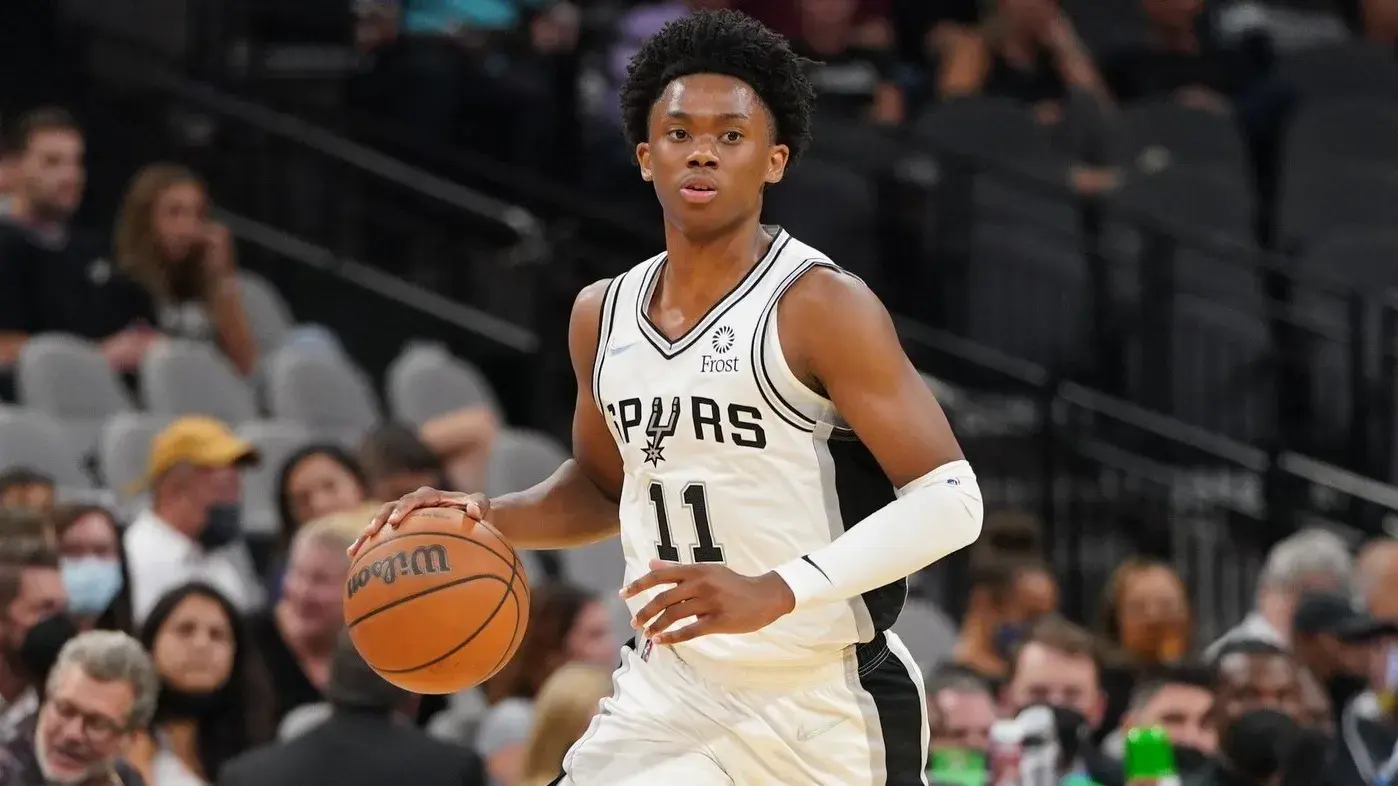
594 450
866 375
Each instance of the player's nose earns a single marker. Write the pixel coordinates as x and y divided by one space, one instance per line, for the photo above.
703 155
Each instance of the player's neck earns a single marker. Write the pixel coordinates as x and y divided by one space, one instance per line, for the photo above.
691 262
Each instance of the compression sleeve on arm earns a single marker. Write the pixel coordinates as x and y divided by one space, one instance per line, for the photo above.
935 515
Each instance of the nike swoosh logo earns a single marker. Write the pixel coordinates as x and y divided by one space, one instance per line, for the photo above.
620 349
807 736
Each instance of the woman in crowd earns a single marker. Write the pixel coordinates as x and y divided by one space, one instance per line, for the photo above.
565 624
296 636
315 481
94 568
564 708
1145 618
214 701
166 242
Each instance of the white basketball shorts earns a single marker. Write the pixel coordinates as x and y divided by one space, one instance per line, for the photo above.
666 724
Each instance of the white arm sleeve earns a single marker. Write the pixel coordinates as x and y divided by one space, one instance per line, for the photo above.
935 515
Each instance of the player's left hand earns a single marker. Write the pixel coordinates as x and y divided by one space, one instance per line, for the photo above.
720 600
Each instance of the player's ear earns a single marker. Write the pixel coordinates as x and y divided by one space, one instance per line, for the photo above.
643 158
776 163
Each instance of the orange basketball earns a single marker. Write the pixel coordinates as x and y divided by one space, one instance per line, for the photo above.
437 604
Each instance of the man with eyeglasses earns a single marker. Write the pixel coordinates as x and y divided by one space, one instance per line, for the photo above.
102 689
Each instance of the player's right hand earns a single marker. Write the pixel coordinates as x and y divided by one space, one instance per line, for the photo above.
475 506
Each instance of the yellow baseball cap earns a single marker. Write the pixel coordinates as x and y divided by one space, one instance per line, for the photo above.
198 440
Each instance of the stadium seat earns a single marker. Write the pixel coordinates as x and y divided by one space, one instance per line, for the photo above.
124 450
426 381
180 377
1320 202
1353 68
32 440
1359 130
67 378
520 459
599 568
327 393
1193 137
275 441
831 207
928 632
997 128
268 314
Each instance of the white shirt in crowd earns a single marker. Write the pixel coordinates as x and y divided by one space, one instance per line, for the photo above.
162 558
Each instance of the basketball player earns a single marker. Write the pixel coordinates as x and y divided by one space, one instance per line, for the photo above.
748 423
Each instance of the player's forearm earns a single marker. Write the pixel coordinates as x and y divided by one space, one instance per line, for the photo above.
934 516
566 510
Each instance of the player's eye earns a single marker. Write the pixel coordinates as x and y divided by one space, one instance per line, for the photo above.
677 134
732 137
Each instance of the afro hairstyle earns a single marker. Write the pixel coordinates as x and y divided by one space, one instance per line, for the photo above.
728 43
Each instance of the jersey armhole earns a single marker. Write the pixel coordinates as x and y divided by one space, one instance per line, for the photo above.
606 320
787 394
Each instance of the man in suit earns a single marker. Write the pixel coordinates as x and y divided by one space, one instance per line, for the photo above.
367 740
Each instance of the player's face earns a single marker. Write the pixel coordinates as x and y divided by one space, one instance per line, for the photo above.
710 153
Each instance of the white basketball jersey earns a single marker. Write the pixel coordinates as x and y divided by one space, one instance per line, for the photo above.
730 458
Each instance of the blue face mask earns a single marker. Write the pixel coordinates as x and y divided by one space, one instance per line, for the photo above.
92 583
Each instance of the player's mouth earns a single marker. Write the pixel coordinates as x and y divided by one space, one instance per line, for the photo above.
698 190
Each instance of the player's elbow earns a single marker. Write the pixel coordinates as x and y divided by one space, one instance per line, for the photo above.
968 527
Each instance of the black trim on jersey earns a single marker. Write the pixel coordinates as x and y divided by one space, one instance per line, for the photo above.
784 409
901 717
862 488
606 320
669 349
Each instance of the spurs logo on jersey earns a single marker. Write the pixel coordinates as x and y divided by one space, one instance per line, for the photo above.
729 457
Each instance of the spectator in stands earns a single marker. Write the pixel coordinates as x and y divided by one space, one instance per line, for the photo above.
31 592
191 529
960 710
1059 664
396 462
1008 594
94 568
102 689
214 699
853 78
1332 641
567 702
1175 63
930 34
315 481
166 242
364 742
1250 674
1312 559
55 279
1179 700
565 624
442 62
297 636
26 488
1145 612
1376 578
1025 50
870 17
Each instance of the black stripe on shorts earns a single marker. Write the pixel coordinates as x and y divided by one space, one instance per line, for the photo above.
884 676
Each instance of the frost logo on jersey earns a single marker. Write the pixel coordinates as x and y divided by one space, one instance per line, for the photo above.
722 341
658 430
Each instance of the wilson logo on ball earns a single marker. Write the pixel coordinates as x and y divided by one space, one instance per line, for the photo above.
421 561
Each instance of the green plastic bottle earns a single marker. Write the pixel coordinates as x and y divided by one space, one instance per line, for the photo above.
1150 759
957 767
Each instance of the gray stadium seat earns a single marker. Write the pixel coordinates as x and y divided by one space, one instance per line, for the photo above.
124 450
1355 68
599 568
34 441
993 127
67 378
1026 296
268 314
1318 203
275 441
520 459
831 207
425 381
928 632
1193 137
180 377
327 393
1362 130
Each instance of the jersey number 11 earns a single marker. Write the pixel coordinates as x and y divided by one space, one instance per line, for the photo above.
696 498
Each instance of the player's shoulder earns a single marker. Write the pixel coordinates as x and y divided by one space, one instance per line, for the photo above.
821 286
